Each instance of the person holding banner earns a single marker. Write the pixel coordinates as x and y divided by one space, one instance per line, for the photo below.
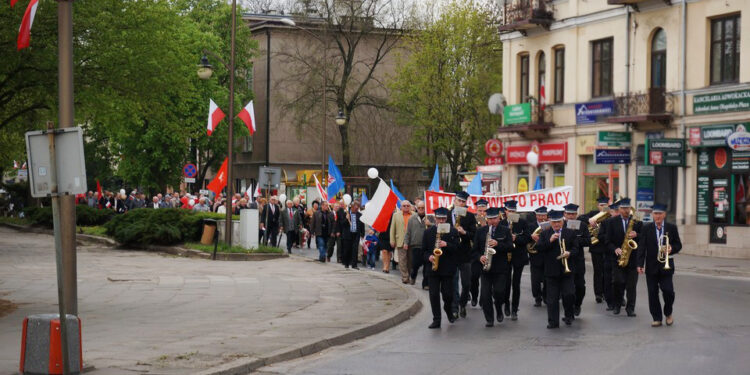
498 238
441 274
536 260
519 257
581 229
476 266
559 279
465 223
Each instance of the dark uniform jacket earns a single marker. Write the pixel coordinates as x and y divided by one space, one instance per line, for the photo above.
448 263
536 260
648 248
584 239
615 235
553 267
469 223
504 245
523 236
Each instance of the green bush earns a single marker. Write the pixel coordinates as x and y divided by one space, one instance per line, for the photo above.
85 216
39 215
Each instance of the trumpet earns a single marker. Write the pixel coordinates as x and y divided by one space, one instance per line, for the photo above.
563 250
663 255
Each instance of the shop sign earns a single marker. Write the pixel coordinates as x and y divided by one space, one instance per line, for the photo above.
523 185
613 139
703 200
714 135
740 161
495 168
739 141
589 113
612 156
549 153
644 195
704 160
585 145
666 152
517 114
493 160
722 102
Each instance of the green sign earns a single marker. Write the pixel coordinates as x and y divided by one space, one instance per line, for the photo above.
517 114
613 139
703 200
722 102
704 160
668 152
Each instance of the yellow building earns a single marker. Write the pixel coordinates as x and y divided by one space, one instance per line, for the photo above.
656 84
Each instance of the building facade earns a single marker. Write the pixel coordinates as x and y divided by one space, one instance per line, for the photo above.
645 99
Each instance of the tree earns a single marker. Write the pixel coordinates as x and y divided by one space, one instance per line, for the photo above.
441 90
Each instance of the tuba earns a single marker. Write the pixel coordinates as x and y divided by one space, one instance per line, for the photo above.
663 255
562 251
488 251
594 229
628 244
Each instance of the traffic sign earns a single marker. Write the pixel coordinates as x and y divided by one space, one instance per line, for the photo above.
190 170
493 147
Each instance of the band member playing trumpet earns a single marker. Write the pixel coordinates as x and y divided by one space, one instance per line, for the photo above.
597 249
465 223
491 246
476 267
440 280
658 242
518 260
536 260
557 244
584 239
620 232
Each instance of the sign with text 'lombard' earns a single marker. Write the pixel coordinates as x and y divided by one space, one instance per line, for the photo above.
613 139
612 156
589 113
517 114
722 102
665 152
714 135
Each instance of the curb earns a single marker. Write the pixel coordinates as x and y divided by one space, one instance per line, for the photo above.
246 365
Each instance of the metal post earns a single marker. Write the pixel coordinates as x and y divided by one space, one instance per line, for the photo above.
325 99
268 96
230 178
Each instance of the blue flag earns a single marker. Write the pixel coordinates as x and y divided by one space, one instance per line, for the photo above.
398 194
538 183
335 180
475 187
435 185
364 199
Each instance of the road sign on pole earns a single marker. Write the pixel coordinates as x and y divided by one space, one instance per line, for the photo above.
70 166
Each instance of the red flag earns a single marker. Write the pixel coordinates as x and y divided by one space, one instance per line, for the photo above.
13 3
220 181
24 33
542 97
98 193
247 115
215 115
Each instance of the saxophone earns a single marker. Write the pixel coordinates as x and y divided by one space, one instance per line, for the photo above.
437 252
628 245
531 247
488 251
594 229
510 253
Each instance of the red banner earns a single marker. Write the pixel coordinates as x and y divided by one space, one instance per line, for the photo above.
554 198
549 153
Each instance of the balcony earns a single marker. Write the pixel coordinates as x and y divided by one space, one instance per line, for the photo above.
537 128
522 15
633 3
656 105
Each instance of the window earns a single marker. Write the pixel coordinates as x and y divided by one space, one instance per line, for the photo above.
659 59
725 49
599 180
559 75
558 172
601 68
524 94
541 76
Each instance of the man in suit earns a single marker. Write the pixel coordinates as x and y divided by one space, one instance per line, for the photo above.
398 234
653 235
323 227
352 230
476 266
289 222
597 250
625 278
583 239
269 220
608 259
466 224
519 257
441 280
494 279
536 261
559 280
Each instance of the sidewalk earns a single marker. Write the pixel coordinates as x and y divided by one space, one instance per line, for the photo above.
154 314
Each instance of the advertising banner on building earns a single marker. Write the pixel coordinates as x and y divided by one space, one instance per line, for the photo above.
549 153
554 198
731 101
612 156
665 152
517 114
593 112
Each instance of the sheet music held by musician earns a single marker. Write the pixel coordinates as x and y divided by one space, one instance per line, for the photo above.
545 225
513 217
443 228
460 211
574 224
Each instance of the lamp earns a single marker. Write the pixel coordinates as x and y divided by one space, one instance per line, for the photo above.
340 118
205 69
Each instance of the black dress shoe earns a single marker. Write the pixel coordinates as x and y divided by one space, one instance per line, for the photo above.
507 310
462 311
346 266
622 303
452 318
514 315
538 303
473 303
552 326
616 310
434 325
568 321
630 313
598 299
355 267
500 317
577 311
610 308
489 324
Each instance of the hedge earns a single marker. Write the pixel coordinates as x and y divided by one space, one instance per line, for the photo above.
166 226
85 216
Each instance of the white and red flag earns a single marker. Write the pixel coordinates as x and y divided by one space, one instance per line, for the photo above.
15 164
380 208
247 115
321 191
215 115
542 97
24 33
220 181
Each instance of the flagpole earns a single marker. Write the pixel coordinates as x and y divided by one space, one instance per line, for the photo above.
230 142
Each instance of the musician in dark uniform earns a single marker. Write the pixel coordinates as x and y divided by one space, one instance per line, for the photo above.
466 225
653 235
608 258
625 278
559 282
476 267
441 280
519 259
493 280
583 238
597 250
536 261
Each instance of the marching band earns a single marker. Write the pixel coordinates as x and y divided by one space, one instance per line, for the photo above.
487 253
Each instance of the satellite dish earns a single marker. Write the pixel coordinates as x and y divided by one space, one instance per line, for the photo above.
496 103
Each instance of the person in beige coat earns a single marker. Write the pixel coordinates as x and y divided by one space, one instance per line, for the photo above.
398 234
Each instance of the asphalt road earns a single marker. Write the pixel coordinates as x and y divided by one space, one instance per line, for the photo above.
711 335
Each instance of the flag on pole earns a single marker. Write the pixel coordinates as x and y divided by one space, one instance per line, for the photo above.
215 115
24 32
542 98
364 199
538 183
398 194
23 166
15 164
380 208
475 186
435 185
321 191
98 193
247 115
13 3
220 181
257 192
335 180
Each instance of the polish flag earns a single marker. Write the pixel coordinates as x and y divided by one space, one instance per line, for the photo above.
15 164
24 32
380 208
220 181
13 3
23 166
321 191
542 97
215 115
247 115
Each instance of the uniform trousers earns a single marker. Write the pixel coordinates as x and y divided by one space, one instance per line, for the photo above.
625 281
464 271
493 288
597 261
608 279
579 280
416 262
440 285
538 289
559 286
654 283
476 274
513 278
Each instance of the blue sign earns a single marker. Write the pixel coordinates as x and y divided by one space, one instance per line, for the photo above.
589 113
612 156
645 194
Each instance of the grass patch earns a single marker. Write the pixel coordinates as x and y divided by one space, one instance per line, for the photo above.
99 231
223 248
15 220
